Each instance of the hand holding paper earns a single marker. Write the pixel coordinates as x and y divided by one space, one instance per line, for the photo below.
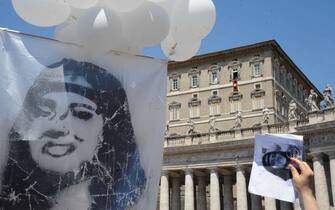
302 178
270 175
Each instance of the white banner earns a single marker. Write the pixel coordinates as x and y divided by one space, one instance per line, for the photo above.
78 132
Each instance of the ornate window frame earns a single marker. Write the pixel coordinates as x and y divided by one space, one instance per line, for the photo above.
214 98
256 94
194 73
177 106
172 77
235 96
214 102
214 68
235 66
194 103
256 61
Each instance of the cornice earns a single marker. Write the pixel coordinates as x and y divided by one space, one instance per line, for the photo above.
218 146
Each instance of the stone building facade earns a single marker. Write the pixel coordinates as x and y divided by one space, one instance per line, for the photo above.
216 104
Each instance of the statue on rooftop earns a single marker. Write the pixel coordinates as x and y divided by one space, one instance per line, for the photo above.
167 130
292 111
190 127
328 96
312 101
212 121
266 115
238 120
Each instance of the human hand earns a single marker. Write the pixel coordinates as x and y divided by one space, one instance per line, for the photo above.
302 176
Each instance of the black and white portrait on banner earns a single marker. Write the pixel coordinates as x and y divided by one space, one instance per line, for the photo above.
270 175
72 144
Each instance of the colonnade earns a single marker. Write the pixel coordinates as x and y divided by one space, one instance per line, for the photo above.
217 188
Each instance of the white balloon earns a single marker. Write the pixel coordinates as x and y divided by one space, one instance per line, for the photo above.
122 5
82 4
179 51
168 5
192 19
99 29
67 31
76 13
42 12
147 25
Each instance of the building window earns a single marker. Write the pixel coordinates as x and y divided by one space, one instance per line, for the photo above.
194 76
258 86
256 64
235 106
194 106
235 69
175 84
174 81
258 102
194 81
214 102
214 74
235 74
213 77
194 111
174 111
257 70
214 109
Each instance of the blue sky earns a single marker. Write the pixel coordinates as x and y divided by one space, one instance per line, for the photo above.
304 28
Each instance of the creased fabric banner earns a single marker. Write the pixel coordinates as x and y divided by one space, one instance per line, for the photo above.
77 132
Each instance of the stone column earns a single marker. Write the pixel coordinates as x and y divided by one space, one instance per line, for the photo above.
228 202
189 190
201 201
175 204
256 202
270 203
241 189
214 190
332 172
164 191
321 188
285 205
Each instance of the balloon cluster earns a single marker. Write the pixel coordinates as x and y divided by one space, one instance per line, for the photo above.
125 25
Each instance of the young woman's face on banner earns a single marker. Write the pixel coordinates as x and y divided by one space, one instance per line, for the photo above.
67 132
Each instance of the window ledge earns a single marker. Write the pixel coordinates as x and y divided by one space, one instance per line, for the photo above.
195 117
215 115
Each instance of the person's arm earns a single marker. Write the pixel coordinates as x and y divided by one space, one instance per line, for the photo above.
302 180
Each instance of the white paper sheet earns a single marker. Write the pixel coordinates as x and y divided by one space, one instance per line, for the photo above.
270 176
